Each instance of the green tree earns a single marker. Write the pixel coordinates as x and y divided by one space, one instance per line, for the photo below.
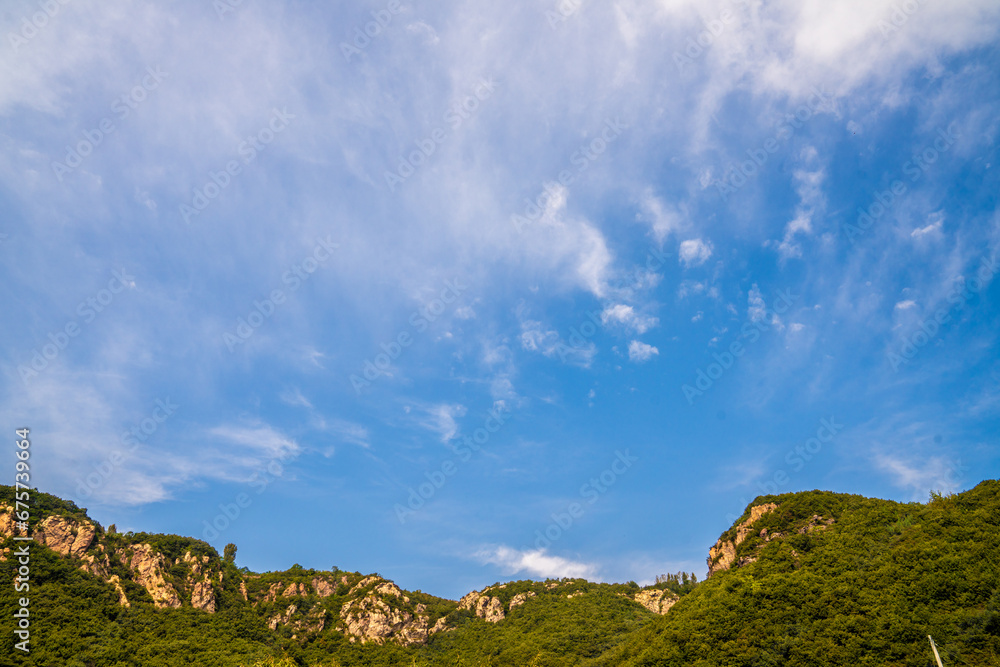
229 553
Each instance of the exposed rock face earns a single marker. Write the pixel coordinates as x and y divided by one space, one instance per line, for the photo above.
272 592
203 597
520 599
314 621
282 618
294 590
373 618
147 568
484 606
657 601
743 530
364 582
816 522
96 562
723 554
389 588
64 536
323 588
202 592
7 520
122 599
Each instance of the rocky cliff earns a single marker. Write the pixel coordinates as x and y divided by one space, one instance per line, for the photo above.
170 572
724 554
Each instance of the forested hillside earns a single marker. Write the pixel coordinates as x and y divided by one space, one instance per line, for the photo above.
811 578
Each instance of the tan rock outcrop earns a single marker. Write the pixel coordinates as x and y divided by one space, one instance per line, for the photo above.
723 555
282 618
370 619
743 530
520 599
122 599
7 521
370 579
657 601
200 580
203 596
294 590
816 522
485 607
272 592
65 536
323 588
383 615
147 566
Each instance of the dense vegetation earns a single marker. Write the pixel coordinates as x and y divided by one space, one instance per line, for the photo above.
864 589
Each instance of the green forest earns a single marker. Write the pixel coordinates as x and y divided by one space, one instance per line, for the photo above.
822 579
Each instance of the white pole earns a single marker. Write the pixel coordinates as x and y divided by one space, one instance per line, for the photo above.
934 648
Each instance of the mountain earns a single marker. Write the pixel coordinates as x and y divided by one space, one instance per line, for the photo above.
810 578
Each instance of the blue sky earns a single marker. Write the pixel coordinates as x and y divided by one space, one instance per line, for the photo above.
526 290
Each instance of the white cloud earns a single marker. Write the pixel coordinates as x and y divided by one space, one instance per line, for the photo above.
640 352
347 431
922 475
421 28
756 307
626 316
808 185
294 397
689 287
441 419
906 305
535 338
695 252
259 439
934 224
537 562
663 220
